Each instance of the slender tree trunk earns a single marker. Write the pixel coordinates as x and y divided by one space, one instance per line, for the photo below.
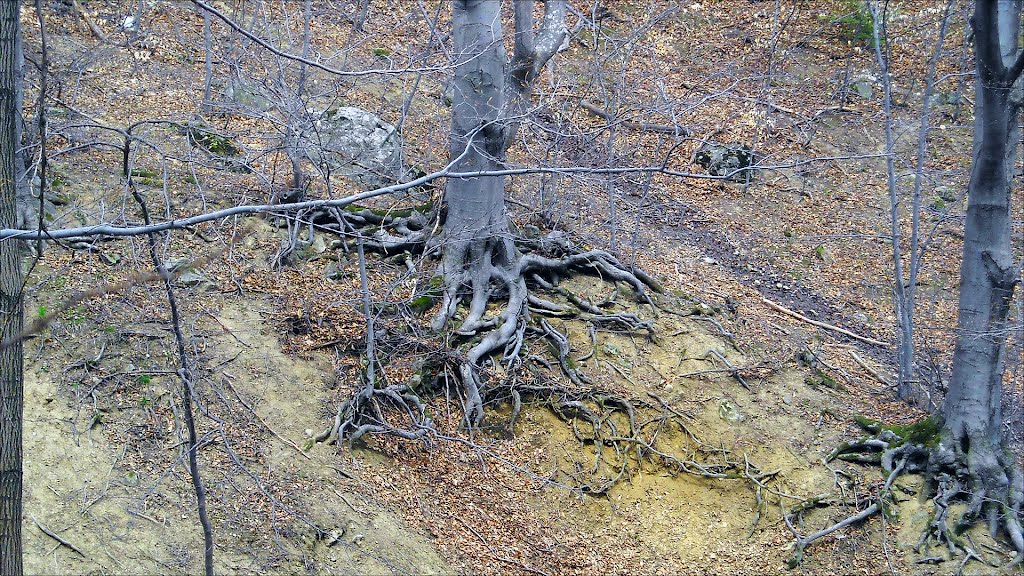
905 285
362 9
488 99
11 382
28 204
207 106
294 110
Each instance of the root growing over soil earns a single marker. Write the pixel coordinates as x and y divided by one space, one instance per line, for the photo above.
968 469
489 358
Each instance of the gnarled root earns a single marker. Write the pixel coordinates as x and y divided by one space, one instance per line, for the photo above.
481 269
973 470
966 469
621 433
365 414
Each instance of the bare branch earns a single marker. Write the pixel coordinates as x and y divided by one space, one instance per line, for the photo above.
249 209
530 54
313 63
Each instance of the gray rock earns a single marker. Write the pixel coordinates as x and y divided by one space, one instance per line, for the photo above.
726 160
356 144
863 85
195 279
175 264
945 99
109 259
730 412
334 272
313 250
946 193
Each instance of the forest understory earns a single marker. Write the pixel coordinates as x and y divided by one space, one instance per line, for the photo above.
641 373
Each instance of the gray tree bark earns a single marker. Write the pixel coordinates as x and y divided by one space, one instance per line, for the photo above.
28 204
11 318
488 102
207 105
972 411
905 285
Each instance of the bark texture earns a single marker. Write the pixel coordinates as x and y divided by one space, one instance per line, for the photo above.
11 383
962 451
487 104
972 448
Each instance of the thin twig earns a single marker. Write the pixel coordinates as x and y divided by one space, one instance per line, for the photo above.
185 373
227 380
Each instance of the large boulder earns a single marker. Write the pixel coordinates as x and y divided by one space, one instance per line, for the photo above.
357 144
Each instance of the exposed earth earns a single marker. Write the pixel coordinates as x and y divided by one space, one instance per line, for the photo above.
750 398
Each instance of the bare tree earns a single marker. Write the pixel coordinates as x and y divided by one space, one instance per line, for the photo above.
973 444
11 313
963 451
906 281
489 101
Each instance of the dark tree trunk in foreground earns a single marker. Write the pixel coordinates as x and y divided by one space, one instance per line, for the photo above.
11 383
972 440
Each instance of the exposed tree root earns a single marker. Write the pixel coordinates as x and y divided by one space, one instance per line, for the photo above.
969 470
879 505
365 414
491 355
500 270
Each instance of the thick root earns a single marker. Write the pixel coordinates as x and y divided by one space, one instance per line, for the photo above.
480 272
482 269
968 470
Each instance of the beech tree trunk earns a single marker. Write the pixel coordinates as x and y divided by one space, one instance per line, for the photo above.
488 101
987 276
477 221
972 412
11 383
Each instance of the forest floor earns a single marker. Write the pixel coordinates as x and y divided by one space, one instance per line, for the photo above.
276 351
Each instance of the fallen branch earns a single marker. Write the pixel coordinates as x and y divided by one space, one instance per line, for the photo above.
93 27
803 541
53 535
227 380
802 318
735 372
870 370
641 126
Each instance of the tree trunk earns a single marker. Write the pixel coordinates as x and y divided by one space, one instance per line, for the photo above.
295 110
207 105
488 99
487 102
972 411
987 276
476 232
28 204
11 383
